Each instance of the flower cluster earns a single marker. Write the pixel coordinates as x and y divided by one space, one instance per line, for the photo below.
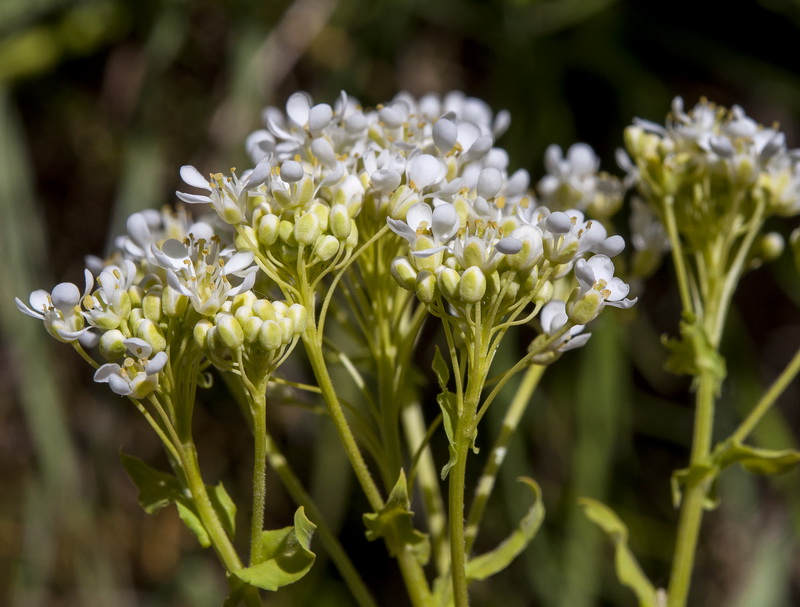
717 167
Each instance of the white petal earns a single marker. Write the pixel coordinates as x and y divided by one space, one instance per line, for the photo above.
238 262
191 176
105 371
582 159
65 296
138 347
501 123
323 150
508 246
445 134
418 213
319 117
156 363
201 231
480 148
119 385
174 249
444 221
334 177
298 108
612 246
391 117
558 222
259 174
490 181
26 310
193 198
246 285
385 180
292 171
174 282
426 170
427 252
401 229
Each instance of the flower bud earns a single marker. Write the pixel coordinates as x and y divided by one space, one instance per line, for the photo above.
269 336
474 252
473 285
286 232
263 309
280 308
322 211
584 309
340 222
448 280
544 294
173 303
403 272
149 331
287 330
243 300
246 239
200 333
242 313
112 345
230 212
307 228
268 228
325 247
229 331
299 317
151 306
251 327
352 238
426 286
136 293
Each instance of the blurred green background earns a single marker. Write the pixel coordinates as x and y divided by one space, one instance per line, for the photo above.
102 101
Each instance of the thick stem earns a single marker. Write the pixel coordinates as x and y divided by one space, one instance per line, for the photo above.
258 404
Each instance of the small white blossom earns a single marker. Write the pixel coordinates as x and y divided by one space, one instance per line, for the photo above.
137 376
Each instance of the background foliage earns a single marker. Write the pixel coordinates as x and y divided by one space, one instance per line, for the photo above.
102 100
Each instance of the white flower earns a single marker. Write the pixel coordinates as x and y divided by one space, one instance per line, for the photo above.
110 305
553 317
598 287
440 223
138 375
201 270
60 309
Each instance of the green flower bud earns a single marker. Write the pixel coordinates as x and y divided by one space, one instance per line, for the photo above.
585 309
246 239
307 228
322 211
200 333
268 228
352 238
544 294
426 286
251 327
242 313
429 263
448 280
229 331
136 293
173 303
111 346
403 272
299 317
340 222
134 318
287 330
269 336
151 306
325 247
149 331
243 300
230 213
473 285
474 253
280 308
286 232
263 309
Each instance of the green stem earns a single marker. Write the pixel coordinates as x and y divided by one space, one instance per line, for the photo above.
677 252
211 523
258 403
298 493
510 422
695 493
769 398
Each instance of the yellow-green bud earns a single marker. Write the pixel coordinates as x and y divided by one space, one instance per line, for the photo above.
151 306
299 317
246 239
322 211
307 228
474 252
286 232
448 280
426 286
280 308
111 346
544 294
263 309
134 318
268 228
243 300
472 287
231 213
584 309
200 333
229 331
341 223
430 262
352 238
326 247
136 293
173 303
242 313
287 329
269 336
149 331
403 272
251 327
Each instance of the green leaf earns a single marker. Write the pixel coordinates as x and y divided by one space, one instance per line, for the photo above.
192 521
394 523
692 476
156 489
282 556
446 402
757 461
628 570
441 369
224 507
485 565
